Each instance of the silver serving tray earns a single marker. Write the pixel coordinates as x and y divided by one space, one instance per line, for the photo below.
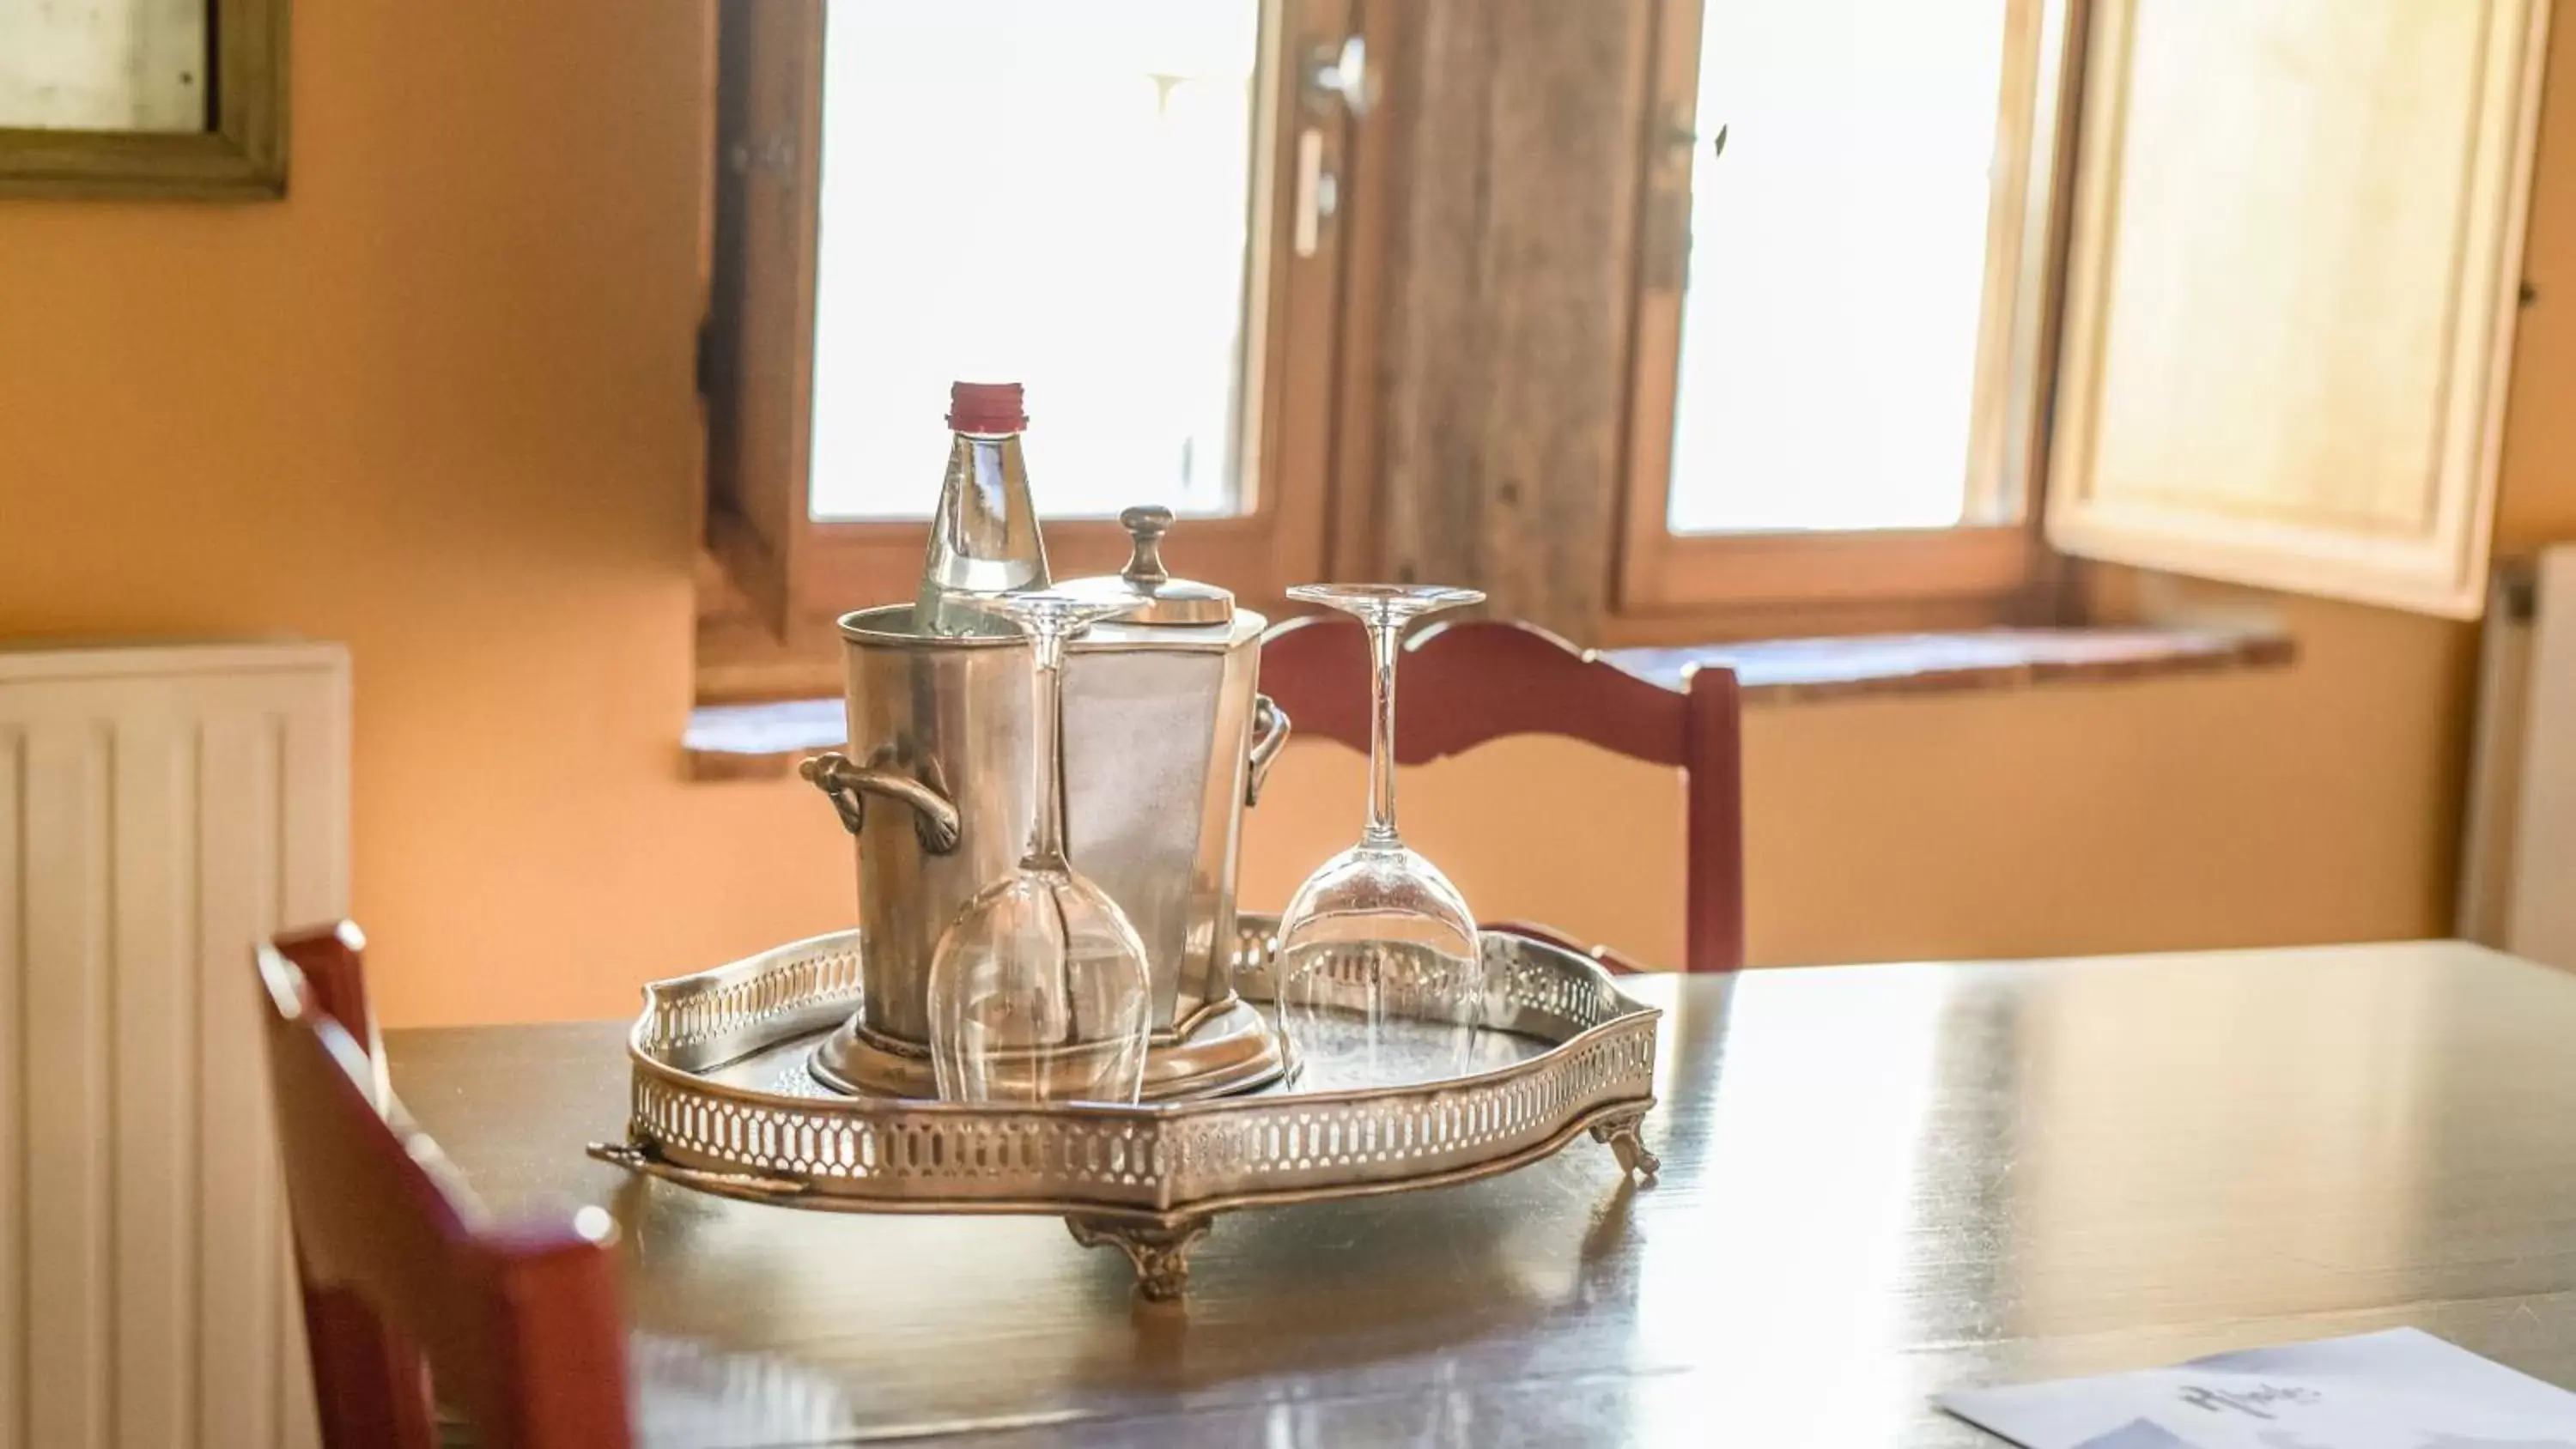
724 1101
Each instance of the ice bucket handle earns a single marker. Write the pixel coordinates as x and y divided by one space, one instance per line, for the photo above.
1269 737
848 783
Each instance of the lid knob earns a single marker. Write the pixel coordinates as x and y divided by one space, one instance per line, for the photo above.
1165 600
1146 524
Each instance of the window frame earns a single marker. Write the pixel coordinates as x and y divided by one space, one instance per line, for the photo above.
778 577
1666 584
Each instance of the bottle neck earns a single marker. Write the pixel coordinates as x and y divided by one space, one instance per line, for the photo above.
984 536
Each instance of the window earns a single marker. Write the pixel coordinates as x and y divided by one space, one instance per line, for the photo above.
1707 320
1121 133
884 167
1842 301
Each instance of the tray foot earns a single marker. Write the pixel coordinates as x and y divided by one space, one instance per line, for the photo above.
1160 1252
1621 1134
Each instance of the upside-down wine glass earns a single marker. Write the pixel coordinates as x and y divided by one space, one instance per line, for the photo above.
1038 987
1377 970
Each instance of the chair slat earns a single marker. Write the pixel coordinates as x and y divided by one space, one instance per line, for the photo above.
1465 683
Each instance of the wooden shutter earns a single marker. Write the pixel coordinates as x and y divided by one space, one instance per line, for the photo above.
756 354
2291 291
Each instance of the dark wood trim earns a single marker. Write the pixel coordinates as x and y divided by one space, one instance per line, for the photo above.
1692 573
1372 203
756 349
1504 326
241 156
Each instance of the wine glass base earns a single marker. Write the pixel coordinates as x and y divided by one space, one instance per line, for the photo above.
1225 1049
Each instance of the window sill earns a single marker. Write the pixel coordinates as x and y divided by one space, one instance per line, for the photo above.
760 741
1780 671
764 741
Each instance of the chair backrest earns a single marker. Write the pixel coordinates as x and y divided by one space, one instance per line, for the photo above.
402 1280
1464 683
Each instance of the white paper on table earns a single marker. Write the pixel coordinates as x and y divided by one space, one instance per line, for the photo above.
2402 1389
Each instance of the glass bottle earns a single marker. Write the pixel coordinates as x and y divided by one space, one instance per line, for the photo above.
984 538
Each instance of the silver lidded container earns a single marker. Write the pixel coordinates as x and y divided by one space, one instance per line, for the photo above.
1165 741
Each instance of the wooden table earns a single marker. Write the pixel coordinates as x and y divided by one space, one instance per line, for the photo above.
1878 1182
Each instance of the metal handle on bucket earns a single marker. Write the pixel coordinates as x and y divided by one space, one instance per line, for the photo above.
848 783
1269 737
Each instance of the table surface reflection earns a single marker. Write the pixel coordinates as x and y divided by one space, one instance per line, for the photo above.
1879 1182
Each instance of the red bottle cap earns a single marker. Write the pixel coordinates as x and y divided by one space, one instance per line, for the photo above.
986 407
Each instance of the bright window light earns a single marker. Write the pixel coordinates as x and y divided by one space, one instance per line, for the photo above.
1037 192
1838 251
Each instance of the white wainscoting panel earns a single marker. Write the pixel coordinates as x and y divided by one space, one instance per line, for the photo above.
162 808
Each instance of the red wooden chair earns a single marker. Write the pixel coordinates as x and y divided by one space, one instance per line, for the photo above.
520 1326
1475 680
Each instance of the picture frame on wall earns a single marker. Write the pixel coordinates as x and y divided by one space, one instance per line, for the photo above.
143 98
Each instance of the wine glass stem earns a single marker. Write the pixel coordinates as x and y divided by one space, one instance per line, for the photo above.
1384 634
1046 752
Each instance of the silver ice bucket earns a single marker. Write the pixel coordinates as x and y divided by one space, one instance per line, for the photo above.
1165 741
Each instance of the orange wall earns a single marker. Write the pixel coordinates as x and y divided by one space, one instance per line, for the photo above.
437 404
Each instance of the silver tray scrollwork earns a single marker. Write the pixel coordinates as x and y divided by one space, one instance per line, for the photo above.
723 1101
